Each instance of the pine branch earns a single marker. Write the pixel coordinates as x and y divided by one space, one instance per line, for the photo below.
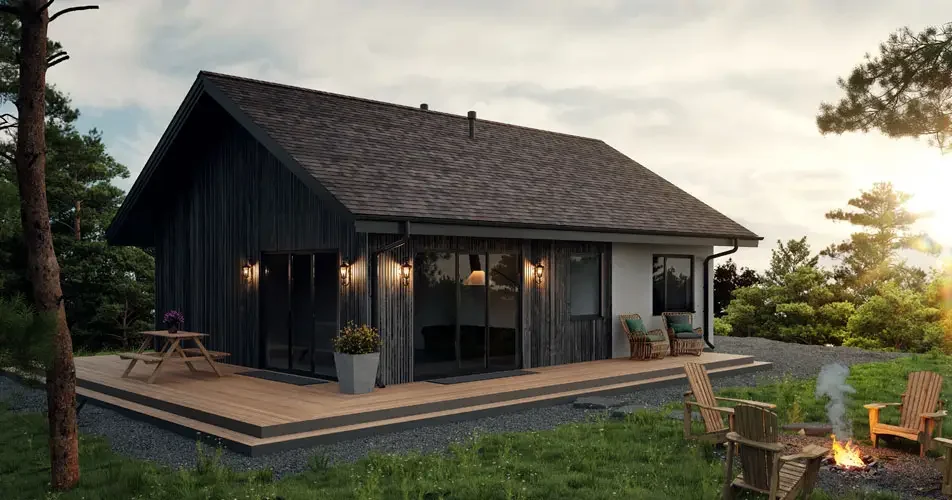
45 6
56 59
72 9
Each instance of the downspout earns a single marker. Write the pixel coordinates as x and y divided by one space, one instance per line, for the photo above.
374 313
707 289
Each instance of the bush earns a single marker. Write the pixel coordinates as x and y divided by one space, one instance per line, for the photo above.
353 339
896 318
25 336
722 327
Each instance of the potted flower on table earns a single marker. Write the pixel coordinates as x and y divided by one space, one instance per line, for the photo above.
173 320
356 356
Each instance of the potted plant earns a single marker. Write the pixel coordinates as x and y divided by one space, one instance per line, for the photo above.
356 356
173 321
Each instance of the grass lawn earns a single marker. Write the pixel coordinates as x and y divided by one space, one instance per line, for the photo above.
643 457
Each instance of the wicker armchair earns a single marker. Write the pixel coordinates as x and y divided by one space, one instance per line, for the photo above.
644 345
693 344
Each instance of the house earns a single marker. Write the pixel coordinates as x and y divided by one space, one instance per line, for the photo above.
277 214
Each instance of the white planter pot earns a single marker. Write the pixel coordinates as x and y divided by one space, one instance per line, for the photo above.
356 373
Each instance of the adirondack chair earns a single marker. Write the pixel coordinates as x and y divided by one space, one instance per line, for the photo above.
644 344
765 470
707 404
920 412
946 444
688 341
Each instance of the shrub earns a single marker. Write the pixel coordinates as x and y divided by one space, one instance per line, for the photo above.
896 318
722 327
353 339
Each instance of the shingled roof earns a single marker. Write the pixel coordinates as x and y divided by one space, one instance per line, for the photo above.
384 161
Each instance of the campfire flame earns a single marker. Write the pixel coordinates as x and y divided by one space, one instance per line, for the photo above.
847 455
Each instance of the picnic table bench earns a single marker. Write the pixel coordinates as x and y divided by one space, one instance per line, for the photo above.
172 351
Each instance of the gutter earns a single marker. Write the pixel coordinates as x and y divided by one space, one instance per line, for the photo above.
707 280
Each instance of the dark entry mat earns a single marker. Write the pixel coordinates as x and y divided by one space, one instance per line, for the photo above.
480 376
286 378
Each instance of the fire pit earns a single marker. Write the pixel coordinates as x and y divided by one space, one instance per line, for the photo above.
848 459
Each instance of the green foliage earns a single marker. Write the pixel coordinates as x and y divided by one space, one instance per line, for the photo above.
353 339
870 256
722 326
903 92
787 258
896 318
728 278
108 290
25 336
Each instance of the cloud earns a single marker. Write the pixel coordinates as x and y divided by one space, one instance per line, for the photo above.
718 96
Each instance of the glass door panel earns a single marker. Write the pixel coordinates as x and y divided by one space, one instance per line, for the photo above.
504 278
434 314
302 316
326 296
274 311
472 312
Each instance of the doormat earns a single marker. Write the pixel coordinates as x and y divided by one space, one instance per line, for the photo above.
286 378
480 376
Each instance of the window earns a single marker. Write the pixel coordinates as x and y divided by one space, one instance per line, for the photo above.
585 286
673 283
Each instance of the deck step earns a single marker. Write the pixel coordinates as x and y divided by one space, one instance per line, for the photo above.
256 446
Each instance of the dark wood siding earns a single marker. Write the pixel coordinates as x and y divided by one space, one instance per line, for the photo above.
549 335
226 200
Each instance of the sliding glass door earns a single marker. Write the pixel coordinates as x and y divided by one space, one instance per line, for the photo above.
466 313
299 302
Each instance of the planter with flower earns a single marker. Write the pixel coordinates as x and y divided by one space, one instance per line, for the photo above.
173 321
356 356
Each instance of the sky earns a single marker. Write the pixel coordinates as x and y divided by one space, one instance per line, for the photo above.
719 97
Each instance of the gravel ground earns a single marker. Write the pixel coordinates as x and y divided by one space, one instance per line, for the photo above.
141 440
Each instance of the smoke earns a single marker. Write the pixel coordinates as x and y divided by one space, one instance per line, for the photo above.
832 383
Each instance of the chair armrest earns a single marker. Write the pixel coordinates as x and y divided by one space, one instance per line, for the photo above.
656 331
748 402
737 438
807 453
699 331
943 442
879 406
721 409
937 414
688 393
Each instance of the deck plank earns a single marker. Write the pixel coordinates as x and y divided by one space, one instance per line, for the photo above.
265 403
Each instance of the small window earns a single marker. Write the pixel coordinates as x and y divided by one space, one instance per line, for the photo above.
673 284
585 286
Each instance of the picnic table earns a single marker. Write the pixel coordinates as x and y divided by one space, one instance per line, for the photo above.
172 351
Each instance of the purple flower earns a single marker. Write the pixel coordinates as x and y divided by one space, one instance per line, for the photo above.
173 318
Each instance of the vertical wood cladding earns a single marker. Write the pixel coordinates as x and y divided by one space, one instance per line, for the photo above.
549 335
225 200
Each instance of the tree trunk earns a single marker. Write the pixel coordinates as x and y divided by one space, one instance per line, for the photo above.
76 226
43 270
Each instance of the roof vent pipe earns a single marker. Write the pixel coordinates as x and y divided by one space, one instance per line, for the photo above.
472 124
424 106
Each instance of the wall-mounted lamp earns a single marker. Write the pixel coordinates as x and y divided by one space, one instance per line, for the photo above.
539 271
344 273
405 273
247 268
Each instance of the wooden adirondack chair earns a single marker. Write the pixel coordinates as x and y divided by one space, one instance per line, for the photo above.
920 412
707 404
765 470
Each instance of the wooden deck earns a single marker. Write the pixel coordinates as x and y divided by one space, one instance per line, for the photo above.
257 416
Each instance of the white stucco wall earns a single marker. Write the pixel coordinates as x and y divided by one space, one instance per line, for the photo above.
631 286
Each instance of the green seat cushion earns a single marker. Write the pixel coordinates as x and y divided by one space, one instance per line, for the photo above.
657 337
682 328
687 335
636 325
